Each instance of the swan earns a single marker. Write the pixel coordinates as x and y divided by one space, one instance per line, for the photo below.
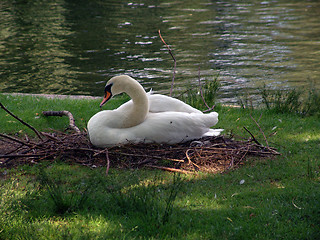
147 118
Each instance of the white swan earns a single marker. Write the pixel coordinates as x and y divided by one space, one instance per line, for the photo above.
147 118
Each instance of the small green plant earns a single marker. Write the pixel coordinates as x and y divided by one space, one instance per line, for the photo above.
64 200
203 95
173 192
291 101
281 100
310 169
152 199
312 103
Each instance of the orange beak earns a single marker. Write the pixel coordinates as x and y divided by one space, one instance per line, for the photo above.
106 98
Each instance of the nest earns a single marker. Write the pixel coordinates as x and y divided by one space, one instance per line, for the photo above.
209 154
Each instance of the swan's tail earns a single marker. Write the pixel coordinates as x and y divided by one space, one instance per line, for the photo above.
213 133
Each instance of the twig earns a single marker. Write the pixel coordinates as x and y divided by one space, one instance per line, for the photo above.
174 60
260 130
63 113
296 205
201 93
20 120
191 162
108 162
253 137
15 140
170 169
148 156
21 155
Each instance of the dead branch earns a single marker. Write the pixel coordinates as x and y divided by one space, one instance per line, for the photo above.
260 129
15 139
108 162
174 62
63 113
20 120
252 136
170 169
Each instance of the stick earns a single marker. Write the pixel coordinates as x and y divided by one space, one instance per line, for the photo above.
189 160
20 155
148 156
260 130
63 113
20 120
15 140
253 138
169 169
174 62
108 162
201 93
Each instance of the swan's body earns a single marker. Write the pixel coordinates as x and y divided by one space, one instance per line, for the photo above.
161 103
147 118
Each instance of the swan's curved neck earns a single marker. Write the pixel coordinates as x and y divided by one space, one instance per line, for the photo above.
140 108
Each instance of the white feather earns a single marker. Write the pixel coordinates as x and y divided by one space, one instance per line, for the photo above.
165 120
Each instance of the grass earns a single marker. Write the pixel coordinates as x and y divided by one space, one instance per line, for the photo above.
278 199
292 100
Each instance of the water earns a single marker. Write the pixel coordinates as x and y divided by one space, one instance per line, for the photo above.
73 47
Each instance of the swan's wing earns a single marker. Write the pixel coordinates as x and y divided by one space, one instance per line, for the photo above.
161 103
165 127
174 127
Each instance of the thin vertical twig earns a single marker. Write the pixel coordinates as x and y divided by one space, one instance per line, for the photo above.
174 60
260 130
201 93
108 162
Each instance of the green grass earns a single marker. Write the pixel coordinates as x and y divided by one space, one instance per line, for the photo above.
279 199
30 109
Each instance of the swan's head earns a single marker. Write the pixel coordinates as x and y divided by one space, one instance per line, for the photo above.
107 94
117 85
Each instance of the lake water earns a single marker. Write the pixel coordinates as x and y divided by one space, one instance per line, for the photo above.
74 46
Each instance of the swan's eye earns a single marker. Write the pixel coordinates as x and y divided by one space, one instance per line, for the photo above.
108 88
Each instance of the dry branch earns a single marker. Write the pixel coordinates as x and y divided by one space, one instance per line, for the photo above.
63 113
20 120
174 61
260 129
252 136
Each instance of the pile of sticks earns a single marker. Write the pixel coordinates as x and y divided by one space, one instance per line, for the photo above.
211 154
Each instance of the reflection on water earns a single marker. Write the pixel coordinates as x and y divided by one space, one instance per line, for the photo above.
72 47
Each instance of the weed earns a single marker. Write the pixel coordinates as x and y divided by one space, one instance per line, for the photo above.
205 94
312 103
173 192
153 200
64 200
291 101
310 169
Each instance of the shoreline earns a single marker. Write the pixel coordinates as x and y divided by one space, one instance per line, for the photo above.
62 96
53 96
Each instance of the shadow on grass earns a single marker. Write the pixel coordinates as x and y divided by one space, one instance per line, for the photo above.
134 203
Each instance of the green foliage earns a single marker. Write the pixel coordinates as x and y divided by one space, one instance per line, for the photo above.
65 200
291 101
151 200
29 109
209 89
